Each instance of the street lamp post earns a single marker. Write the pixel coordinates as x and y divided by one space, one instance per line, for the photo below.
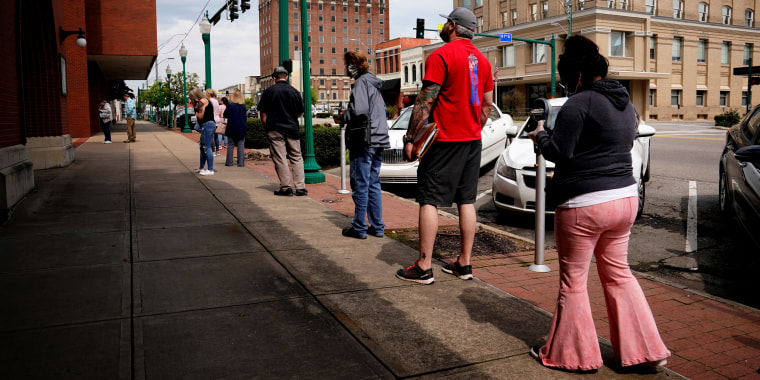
169 87
160 100
183 56
205 27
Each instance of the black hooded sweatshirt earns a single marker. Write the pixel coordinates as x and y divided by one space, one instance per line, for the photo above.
591 143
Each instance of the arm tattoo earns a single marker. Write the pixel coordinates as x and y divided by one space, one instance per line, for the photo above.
422 107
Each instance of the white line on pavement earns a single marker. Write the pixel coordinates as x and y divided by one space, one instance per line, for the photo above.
691 222
483 194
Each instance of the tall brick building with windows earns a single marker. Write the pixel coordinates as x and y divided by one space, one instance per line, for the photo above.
334 27
52 86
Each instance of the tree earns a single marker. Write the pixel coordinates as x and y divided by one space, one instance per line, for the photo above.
249 102
314 95
117 89
175 85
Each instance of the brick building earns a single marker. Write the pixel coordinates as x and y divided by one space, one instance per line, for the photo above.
334 27
676 57
53 86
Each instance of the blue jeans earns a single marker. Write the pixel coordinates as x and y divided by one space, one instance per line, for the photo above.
365 183
106 130
207 142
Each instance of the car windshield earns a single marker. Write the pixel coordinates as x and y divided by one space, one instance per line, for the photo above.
555 111
403 120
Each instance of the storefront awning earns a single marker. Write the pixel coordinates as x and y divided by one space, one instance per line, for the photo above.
392 86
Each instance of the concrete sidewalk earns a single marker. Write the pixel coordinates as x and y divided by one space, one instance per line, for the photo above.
128 265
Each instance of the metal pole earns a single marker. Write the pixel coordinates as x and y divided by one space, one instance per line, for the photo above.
749 86
343 189
554 68
310 166
538 263
186 127
570 18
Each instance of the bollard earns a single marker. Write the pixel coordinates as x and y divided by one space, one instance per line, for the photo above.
343 189
538 261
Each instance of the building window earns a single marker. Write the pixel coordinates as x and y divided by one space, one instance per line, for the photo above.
545 9
533 12
624 4
320 6
479 28
332 39
369 30
406 74
514 16
651 6
539 53
295 37
617 44
467 3
295 15
610 4
321 50
320 18
744 98
675 98
726 14
677 47
723 98
321 61
677 9
702 9
321 28
652 96
414 73
701 98
701 51
505 19
581 5
653 47
478 3
332 28
333 50
749 17
725 53
295 28
508 57
321 39
747 54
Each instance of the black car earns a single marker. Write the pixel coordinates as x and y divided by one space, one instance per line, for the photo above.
252 113
739 186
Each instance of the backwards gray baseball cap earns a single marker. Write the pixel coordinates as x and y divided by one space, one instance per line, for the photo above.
462 16
279 70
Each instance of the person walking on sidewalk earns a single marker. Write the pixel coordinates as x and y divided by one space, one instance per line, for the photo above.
366 103
204 113
457 91
237 125
280 106
596 200
130 111
104 112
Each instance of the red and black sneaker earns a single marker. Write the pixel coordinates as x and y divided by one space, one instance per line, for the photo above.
464 272
415 274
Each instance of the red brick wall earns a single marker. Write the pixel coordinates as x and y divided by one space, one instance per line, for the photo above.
11 125
117 27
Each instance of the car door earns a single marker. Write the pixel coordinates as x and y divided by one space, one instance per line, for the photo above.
746 182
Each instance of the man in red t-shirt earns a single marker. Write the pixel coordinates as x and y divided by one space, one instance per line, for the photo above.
458 92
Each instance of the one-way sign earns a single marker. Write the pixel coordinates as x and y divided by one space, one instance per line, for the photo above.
505 37
745 70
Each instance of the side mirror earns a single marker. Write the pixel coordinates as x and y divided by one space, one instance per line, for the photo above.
748 154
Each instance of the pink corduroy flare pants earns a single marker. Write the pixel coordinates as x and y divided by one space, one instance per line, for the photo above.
601 230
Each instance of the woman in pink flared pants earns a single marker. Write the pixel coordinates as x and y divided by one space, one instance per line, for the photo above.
596 200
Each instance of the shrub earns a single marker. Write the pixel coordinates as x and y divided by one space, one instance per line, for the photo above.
326 141
727 119
323 115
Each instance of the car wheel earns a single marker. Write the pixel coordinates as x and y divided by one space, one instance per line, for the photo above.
642 196
724 197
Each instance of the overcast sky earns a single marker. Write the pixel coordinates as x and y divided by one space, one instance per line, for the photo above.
235 45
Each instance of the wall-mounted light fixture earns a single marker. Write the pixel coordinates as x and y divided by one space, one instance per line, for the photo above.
81 42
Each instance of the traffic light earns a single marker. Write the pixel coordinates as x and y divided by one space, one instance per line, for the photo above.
233 8
420 28
288 65
754 80
245 5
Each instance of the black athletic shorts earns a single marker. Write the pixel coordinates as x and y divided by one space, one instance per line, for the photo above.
448 173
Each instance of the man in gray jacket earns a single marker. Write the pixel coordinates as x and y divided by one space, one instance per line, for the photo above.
366 103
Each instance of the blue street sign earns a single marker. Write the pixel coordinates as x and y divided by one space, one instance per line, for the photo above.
505 37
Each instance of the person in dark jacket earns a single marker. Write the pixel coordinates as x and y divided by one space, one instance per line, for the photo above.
366 157
597 199
280 106
237 125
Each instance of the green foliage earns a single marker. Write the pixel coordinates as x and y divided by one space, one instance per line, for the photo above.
249 102
392 110
256 136
326 145
326 141
314 95
323 115
727 119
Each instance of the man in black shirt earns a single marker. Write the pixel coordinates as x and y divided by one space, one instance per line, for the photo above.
280 106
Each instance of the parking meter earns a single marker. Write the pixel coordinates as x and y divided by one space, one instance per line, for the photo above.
540 110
